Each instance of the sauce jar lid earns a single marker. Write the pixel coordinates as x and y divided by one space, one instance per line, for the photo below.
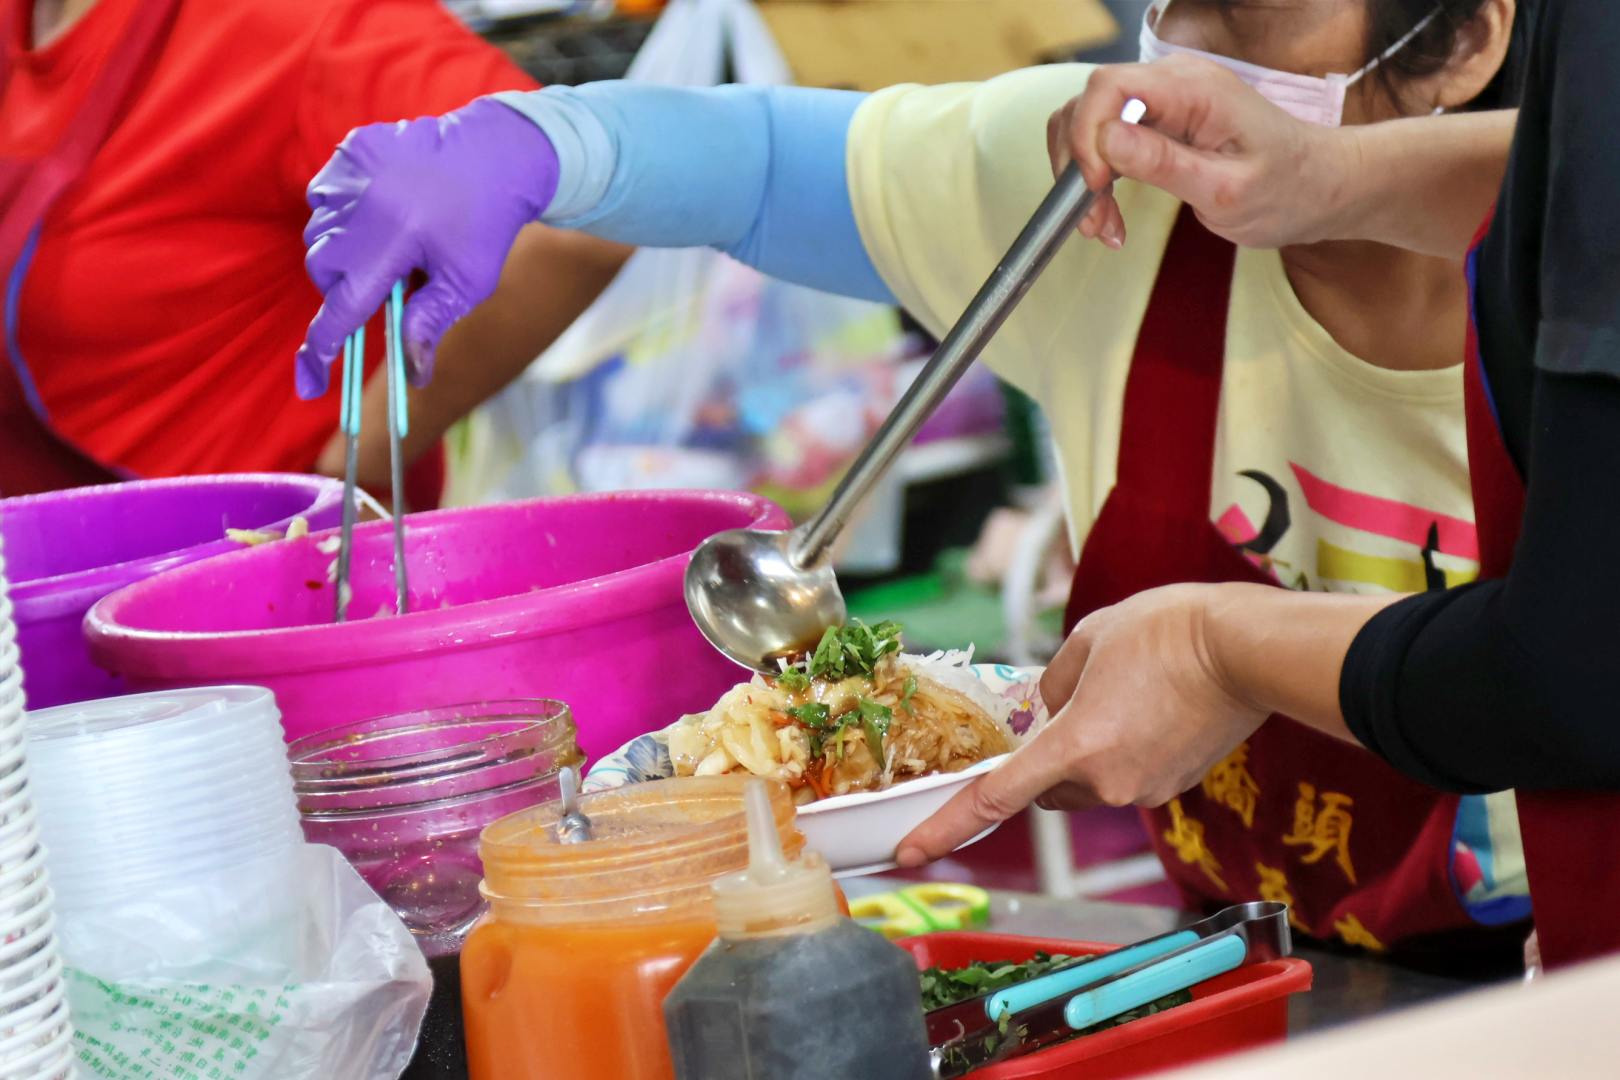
648 841
408 762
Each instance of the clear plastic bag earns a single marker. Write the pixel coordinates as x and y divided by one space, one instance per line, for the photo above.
314 979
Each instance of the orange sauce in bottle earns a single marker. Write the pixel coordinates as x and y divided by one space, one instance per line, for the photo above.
564 978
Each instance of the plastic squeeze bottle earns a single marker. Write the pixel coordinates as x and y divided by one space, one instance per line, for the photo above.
792 989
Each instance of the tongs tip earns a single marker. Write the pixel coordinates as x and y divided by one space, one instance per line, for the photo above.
354 361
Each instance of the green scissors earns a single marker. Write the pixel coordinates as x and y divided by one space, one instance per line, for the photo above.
923 909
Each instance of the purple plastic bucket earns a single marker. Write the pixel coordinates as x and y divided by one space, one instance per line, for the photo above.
67 549
577 599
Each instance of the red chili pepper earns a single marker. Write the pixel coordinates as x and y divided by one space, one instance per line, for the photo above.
818 784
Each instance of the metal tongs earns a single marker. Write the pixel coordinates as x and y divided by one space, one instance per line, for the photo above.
1035 1014
399 425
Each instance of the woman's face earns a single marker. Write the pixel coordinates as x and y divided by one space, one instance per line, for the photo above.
1306 37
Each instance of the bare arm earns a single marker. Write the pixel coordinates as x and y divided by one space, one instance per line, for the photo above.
551 277
1425 184
1283 651
1147 695
1263 179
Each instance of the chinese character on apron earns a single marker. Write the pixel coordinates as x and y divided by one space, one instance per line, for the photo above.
1361 853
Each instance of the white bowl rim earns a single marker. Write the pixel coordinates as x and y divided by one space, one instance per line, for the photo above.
908 787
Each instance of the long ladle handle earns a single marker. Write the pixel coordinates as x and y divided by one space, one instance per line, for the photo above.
1058 215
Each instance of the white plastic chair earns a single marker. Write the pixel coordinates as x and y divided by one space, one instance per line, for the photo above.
1026 646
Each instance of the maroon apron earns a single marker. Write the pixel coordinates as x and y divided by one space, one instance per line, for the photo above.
1362 853
1571 839
32 456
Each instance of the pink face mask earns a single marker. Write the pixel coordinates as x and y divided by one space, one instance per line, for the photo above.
1313 99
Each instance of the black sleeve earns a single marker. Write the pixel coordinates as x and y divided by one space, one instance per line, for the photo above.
1549 272
1578 119
1515 683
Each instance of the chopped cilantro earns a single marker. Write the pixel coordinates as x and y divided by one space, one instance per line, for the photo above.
811 714
830 741
942 987
874 741
875 721
856 649
845 652
907 694
828 661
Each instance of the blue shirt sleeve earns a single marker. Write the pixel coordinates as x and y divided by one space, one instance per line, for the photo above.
756 172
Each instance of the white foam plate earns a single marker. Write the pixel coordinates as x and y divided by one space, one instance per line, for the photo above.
24 1030
857 834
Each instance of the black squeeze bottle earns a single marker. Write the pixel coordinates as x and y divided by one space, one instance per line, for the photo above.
792 989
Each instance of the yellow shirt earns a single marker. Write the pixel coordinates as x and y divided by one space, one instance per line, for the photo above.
1372 463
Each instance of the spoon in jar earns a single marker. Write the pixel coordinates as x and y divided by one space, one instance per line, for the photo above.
761 597
573 827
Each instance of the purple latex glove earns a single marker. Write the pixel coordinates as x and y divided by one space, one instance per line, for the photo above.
446 195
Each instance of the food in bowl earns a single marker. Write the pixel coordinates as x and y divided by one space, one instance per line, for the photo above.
296 529
853 715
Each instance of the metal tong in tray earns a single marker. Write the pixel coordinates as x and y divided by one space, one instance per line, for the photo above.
1052 1008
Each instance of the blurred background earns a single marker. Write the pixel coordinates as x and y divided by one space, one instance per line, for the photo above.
802 379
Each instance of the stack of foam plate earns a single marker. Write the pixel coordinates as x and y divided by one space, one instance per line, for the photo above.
36 1040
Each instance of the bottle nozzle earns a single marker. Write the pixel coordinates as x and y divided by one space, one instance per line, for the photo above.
773 896
765 861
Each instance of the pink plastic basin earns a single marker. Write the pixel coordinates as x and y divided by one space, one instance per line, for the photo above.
67 549
577 599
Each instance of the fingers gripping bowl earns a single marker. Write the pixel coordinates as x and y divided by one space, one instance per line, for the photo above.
960 720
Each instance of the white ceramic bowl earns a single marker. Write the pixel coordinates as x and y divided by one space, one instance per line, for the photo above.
857 834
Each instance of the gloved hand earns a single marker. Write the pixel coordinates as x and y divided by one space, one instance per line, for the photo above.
446 195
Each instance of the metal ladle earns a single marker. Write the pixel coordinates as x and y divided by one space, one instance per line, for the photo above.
761 596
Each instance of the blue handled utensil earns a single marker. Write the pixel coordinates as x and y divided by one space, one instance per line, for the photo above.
1182 969
1038 991
1035 1014
354 362
399 422
399 425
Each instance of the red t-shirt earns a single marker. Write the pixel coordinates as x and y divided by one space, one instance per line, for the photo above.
167 295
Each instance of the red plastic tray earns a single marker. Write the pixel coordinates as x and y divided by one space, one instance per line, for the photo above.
1240 1010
